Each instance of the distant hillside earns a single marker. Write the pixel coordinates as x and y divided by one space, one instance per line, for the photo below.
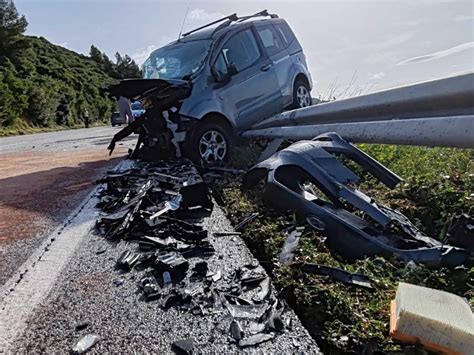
47 85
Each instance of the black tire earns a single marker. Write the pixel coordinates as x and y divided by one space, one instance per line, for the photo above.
300 85
113 125
195 146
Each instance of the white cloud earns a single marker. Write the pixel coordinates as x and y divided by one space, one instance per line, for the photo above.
462 18
377 76
396 40
142 54
439 54
203 15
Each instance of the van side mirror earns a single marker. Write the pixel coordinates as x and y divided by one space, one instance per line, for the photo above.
219 77
232 69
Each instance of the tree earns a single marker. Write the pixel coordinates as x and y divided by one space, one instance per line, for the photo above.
108 66
126 67
96 55
12 26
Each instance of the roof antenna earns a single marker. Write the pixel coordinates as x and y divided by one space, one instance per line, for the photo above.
184 20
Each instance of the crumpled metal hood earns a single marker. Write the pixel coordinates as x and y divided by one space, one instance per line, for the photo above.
163 99
131 88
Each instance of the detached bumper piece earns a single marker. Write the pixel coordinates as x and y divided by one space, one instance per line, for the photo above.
293 174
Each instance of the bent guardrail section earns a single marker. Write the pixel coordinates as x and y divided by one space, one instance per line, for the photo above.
433 113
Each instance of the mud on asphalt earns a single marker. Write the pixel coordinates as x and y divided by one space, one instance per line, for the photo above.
37 196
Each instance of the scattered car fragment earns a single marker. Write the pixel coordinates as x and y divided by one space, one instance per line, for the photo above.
255 339
338 274
291 242
184 346
385 231
236 330
461 233
127 260
85 343
251 217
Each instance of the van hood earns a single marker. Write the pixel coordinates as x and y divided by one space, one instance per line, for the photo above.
133 88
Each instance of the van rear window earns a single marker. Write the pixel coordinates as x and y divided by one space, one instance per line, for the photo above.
285 32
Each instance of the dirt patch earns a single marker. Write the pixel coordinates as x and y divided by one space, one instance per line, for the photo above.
38 191
45 186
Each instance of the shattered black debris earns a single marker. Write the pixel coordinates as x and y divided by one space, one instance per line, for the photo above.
255 339
338 274
236 330
461 233
246 221
136 205
184 346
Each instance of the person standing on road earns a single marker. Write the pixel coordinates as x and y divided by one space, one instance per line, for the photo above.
125 110
85 116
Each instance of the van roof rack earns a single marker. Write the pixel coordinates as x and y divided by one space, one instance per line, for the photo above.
229 19
262 13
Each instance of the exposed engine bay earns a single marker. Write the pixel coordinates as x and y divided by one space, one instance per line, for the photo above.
161 129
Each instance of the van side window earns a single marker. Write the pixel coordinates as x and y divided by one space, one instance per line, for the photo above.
285 32
238 53
220 66
270 39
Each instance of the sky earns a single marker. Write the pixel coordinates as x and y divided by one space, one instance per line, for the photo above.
352 47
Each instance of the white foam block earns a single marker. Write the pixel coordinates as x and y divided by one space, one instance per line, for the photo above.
435 316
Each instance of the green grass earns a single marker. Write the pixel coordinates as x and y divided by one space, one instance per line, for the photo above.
344 319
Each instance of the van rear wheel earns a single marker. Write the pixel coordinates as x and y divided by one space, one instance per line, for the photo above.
301 94
212 143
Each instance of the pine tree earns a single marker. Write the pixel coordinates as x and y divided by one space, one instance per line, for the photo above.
96 55
12 26
126 67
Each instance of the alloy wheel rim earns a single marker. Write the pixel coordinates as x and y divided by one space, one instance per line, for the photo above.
212 146
303 96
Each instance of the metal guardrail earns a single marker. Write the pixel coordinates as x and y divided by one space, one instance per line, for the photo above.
432 113
457 131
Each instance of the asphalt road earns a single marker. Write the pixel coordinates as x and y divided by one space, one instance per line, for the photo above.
43 177
61 141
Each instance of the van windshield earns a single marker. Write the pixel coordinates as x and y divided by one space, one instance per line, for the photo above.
176 61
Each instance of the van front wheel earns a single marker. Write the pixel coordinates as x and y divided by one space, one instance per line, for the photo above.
211 143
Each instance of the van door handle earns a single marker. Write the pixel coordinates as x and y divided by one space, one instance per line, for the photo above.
265 67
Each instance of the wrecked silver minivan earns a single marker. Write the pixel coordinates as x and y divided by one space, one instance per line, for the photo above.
238 73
